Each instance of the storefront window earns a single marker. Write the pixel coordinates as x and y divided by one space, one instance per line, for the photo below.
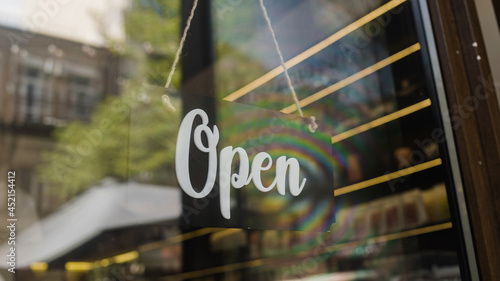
91 130
359 68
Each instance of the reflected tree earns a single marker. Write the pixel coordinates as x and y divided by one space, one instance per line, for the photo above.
129 136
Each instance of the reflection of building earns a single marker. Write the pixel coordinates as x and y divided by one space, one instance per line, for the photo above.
45 82
48 81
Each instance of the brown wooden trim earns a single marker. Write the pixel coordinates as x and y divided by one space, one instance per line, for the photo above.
476 121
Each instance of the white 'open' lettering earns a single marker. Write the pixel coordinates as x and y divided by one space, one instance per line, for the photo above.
238 179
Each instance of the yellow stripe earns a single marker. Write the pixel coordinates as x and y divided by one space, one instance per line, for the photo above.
391 237
353 78
39 266
123 258
178 238
226 233
382 120
79 266
86 266
342 246
215 270
388 177
314 49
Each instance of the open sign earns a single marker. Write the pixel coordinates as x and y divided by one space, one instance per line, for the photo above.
245 174
263 169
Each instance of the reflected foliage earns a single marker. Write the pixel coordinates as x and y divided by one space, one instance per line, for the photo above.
87 152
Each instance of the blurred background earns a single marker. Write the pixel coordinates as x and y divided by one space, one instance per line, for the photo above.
83 126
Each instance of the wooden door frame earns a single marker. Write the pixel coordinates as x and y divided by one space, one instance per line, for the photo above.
473 107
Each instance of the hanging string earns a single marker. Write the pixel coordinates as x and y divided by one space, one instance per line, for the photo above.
313 126
165 97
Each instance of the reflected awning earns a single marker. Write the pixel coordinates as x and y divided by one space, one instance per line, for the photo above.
109 206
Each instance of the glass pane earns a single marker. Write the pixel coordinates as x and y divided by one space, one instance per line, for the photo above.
357 67
89 140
